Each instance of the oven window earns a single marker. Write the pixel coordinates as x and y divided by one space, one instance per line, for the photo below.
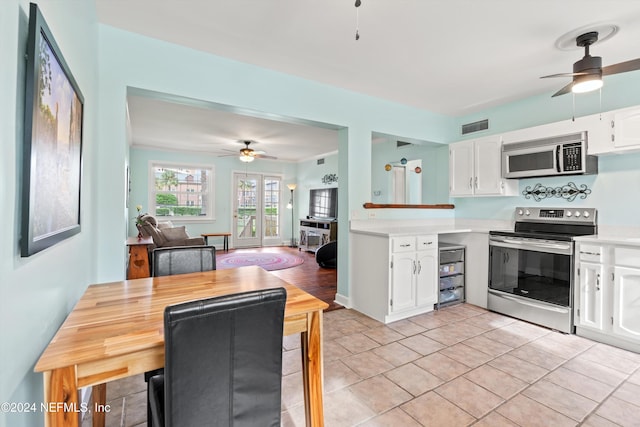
533 161
537 275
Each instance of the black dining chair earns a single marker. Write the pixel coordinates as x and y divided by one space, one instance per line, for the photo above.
183 259
223 362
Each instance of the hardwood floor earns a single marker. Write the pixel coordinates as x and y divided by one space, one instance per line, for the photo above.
309 276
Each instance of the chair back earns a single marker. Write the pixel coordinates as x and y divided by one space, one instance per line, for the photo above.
223 360
183 259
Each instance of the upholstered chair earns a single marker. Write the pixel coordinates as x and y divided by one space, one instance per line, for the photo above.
183 259
165 234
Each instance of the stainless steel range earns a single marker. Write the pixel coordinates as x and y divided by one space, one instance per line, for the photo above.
531 268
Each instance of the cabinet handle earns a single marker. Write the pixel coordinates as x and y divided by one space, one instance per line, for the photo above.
476 182
471 182
406 245
598 282
419 267
414 267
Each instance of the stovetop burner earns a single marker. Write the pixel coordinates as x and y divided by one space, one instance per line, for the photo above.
552 223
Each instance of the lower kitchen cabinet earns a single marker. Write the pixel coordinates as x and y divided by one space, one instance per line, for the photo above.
394 277
607 294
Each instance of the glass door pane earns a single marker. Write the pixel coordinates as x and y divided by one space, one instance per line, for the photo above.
271 207
247 221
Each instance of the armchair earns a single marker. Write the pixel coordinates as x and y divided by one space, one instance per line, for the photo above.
164 234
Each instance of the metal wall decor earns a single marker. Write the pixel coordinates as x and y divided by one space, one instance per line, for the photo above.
330 178
569 192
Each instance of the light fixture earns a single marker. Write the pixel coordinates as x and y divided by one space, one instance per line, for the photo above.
290 206
246 158
586 83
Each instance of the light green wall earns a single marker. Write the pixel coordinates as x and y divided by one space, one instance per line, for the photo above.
37 293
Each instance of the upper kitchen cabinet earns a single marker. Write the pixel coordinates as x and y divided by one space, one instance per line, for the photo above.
617 132
475 169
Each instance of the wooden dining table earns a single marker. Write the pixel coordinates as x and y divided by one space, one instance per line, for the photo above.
116 331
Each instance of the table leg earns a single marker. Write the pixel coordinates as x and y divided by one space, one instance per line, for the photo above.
311 349
99 400
61 398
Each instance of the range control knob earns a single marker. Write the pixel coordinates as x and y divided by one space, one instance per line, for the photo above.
527 213
520 212
577 214
569 214
586 214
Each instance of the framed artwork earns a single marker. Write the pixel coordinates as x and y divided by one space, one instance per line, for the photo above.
52 158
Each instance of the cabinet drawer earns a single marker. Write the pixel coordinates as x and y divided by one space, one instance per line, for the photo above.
627 257
591 253
451 282
451 269
427 242
451 295
404 244
450 256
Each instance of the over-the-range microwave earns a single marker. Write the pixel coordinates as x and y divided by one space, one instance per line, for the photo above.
560 155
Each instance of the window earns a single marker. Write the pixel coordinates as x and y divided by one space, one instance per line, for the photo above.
181 191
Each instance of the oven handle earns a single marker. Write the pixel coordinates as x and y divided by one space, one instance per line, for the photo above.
530 303
562 248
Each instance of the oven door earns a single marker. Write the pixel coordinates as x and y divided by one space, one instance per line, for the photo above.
532 280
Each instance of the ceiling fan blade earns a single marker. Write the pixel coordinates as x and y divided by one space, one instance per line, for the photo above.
564 90
564 75
621 67
262 156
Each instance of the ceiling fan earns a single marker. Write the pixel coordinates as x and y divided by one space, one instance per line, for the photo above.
249 154
587 72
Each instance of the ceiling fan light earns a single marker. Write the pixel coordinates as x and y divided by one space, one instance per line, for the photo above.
246 159
587 83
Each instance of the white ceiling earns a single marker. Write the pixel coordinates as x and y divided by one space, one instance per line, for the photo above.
452 57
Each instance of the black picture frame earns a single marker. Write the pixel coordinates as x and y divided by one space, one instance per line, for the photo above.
52 152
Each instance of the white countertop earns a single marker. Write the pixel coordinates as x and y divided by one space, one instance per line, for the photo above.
613 239
411 231
411 228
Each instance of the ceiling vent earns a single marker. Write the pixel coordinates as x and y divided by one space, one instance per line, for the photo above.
320 162
400 144
475 126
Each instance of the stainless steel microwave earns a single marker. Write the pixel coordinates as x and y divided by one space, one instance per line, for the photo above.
560 155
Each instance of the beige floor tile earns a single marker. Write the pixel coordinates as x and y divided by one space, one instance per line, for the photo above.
394 418
442 366
635 378
453 333
431 409
422 344
581 384
489 321
366 320
474 399
598 421
125 387
485 345
533 354
620 412
406 327
290 342
466 310
343 409
611 357
529 413
396 354
495 420
337 375
383 335
507 337
560 399
496 381
518 368
380 394
564 345
291 361
629 393
331 350
367 364
357 343
413 379
292 393
466 355
595 370
429 321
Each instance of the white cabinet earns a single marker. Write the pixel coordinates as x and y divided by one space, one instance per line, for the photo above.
394 277
607 294
626 129
475 169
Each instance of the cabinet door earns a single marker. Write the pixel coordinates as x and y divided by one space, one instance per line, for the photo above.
627 129
591 295
427 278
402 281
488 166
461 169
626 303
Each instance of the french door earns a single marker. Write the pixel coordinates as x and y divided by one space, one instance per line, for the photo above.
256 210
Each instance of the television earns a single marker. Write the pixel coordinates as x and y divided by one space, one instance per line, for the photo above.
323 203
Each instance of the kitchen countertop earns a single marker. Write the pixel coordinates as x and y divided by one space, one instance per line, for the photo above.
411 231
614 239
396 228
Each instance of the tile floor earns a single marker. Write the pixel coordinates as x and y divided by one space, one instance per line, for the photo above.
460 366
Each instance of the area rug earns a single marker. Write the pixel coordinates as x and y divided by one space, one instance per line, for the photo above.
267 260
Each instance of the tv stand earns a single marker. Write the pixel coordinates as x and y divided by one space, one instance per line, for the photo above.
316 232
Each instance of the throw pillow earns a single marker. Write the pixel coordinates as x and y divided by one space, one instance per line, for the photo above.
175 233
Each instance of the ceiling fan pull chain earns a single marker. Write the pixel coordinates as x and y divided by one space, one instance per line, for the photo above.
358 3
573 115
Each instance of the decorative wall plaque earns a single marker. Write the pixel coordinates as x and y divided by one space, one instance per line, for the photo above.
569 192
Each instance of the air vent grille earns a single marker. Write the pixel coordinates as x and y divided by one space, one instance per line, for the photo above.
400 144
475 126
320 162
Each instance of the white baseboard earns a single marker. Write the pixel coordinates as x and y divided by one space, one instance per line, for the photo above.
342 300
